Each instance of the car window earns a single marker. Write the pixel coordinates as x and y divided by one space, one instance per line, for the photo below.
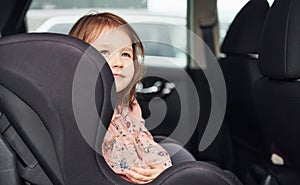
61 28
227 10
162 31
153 32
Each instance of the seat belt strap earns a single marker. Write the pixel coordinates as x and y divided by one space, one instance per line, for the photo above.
208 37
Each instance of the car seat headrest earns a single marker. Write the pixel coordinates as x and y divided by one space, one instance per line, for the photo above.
244 33
280 43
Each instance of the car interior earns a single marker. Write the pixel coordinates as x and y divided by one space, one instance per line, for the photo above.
235 111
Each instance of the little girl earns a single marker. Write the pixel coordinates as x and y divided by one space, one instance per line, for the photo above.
128 147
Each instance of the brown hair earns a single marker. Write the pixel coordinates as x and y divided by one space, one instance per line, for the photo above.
89 27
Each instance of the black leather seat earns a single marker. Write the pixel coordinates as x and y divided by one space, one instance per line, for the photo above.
53 89
240 70
277 94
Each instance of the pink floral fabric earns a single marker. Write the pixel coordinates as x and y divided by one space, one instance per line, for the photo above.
128 143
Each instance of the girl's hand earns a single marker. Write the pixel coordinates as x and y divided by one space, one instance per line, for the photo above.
143 176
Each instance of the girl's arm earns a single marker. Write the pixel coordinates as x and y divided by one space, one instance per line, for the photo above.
148 150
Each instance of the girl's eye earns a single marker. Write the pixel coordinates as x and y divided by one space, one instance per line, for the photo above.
104 53
128 55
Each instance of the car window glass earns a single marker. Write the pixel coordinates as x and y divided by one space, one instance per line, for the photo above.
160 24
227 10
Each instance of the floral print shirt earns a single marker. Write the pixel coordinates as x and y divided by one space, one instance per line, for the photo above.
128 143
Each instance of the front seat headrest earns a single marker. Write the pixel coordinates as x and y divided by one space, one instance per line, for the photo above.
280 43
244 33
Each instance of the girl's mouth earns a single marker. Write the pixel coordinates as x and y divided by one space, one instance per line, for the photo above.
118 75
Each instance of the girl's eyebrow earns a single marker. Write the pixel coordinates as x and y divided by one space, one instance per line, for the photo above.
100 45
104 45
128 48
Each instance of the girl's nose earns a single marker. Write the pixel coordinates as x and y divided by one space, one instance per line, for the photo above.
116 61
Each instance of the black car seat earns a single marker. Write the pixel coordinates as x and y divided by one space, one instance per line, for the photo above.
240 70
12 16
277 93
37 121
53 89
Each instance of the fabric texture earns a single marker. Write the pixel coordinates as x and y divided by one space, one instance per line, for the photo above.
177 153
128 143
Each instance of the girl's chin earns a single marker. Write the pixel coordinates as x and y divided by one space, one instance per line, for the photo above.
122 90
119 90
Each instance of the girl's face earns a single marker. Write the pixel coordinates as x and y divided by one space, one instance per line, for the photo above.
116 47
